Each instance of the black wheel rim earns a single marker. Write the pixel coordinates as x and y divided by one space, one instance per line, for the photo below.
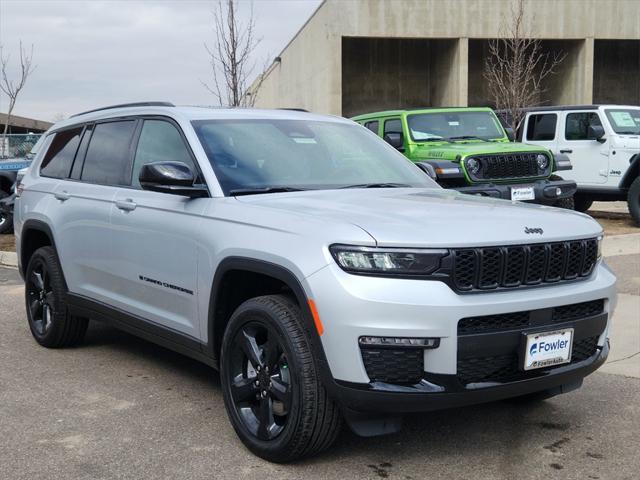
40 298
260 380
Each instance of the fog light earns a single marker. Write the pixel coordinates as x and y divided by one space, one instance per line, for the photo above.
399 342
558 191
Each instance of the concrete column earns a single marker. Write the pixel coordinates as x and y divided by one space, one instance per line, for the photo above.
585 65
461 97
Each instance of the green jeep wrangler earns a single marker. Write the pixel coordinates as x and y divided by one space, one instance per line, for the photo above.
468 149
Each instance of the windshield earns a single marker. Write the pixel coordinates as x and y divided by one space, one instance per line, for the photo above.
281 155
624 121
454 125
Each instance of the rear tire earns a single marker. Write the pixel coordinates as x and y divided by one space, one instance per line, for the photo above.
633 201
581 204
273 396
46 300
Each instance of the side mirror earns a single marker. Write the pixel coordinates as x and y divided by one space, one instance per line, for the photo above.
596 132
395 140
511 134
170 177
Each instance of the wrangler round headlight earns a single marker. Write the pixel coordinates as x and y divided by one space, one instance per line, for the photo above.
473 165
384 261
543 161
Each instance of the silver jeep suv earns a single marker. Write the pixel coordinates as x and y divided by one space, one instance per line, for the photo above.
325 276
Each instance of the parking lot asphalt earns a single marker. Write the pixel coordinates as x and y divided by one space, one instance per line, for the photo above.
119 407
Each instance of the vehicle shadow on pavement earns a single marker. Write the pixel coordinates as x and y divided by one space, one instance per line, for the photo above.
101 335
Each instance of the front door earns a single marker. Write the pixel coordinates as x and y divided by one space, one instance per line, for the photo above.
589 158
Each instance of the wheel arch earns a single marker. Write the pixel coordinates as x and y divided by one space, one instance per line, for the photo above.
280 277
35 234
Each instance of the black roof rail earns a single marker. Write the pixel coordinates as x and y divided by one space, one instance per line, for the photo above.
123 105
294 109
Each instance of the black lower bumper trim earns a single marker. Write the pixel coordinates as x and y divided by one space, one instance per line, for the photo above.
546 191
427 396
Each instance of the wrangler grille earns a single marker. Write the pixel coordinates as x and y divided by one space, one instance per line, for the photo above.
493 268
515 165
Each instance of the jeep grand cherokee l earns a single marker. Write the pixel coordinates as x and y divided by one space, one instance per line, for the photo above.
323 274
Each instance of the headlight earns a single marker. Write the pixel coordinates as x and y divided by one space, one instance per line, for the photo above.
387 261
473 165
543 161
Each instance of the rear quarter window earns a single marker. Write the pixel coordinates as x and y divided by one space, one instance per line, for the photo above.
59 158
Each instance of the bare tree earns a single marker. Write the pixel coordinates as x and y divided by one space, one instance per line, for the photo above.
12 88
231 57
517 67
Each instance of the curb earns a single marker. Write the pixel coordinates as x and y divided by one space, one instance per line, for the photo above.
9 259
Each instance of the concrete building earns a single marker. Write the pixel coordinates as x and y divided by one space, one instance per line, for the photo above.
22 125
356 56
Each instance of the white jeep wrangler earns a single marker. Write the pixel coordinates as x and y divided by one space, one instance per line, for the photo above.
603 143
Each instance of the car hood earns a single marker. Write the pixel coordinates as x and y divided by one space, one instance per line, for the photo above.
433 217
450 151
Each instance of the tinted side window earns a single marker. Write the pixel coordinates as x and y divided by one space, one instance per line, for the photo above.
373 126
393 126
159 141
542 126
578 124
59 158
108 161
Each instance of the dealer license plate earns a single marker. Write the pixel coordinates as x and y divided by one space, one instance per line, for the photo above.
548 348
522 193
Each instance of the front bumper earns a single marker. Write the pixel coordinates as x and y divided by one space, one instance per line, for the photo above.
7 204
546 191
353 306
435 394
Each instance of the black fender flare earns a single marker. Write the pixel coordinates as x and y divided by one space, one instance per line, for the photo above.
37 225
288 278
632 172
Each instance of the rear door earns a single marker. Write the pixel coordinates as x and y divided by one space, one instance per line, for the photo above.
589 158
83 204
155 241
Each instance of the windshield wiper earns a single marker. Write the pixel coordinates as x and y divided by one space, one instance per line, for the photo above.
377 185
256 191
467 137
628 133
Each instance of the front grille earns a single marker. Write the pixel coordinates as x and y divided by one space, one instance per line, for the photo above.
404 366
515 165
523 265
520 320
506 368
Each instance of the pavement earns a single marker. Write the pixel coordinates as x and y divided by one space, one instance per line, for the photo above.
118 407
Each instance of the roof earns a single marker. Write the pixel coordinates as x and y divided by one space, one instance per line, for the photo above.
573 107
191 113
394 113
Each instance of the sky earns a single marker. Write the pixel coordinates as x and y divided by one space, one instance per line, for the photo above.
92 53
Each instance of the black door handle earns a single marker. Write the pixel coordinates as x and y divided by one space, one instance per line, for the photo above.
566 151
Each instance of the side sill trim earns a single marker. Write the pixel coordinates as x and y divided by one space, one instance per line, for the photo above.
138 326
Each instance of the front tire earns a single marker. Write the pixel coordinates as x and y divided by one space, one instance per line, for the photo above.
582 204
273 396
45 295
633 200
566 203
